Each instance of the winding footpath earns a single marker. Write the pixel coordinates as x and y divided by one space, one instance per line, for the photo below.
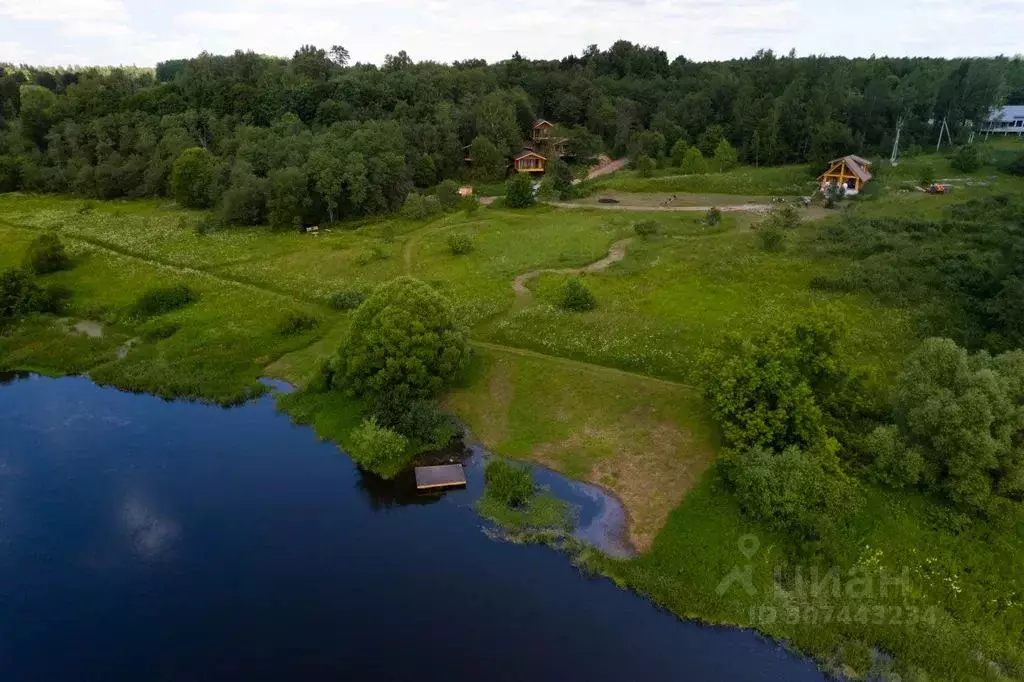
616 253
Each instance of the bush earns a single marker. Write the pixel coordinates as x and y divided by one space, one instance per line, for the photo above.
712 217
425 425
927 176
772 239
448 195
834 195
160 330
295 323
1015 167
46 254
460 244
893 463
577 297
208 224
418 207
161 300
646 228
379 449
21 295
346 299
519 191
794 491
510 484
645 166
403 340
469 205
967 159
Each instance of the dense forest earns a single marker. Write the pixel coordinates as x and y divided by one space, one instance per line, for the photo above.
313 139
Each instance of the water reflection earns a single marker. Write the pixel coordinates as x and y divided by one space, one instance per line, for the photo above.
206 545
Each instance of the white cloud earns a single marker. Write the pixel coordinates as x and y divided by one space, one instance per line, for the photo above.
142 32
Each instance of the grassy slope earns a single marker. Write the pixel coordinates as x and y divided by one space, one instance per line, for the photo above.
672 295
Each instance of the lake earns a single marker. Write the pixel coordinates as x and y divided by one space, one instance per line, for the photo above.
149 540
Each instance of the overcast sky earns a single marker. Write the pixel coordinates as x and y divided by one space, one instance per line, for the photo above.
143 32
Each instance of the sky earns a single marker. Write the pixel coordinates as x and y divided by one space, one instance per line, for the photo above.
144 32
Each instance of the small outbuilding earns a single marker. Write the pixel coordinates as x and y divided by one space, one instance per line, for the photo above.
849 172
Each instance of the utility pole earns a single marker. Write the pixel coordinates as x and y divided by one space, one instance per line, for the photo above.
894 158
943 129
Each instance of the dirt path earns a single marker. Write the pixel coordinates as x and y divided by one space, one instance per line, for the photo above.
576 364
743 208
604 169
616 253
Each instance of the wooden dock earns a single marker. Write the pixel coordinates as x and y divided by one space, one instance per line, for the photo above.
440 477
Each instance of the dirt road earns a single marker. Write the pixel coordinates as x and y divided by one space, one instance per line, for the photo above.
742 208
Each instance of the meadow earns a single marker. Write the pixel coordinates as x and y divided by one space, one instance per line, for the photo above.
606 396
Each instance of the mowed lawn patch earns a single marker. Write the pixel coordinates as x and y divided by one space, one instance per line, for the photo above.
764 181
645 440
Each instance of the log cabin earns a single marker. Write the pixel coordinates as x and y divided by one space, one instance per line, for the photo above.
542 129
529 161
849 172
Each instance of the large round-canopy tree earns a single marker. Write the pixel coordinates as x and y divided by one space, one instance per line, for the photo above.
404 342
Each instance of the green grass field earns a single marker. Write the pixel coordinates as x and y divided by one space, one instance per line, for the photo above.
603 396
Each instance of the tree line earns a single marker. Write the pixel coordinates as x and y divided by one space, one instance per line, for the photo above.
313 138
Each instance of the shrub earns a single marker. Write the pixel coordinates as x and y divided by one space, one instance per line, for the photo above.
693 162
645 166
346 299
160 330
469 205
893 463
404 340
426 426
772 239
510 484
713 217
46 254
1015 167
295 323
460 244
577 297
646 228
793 491
379 449
21 295
448 195
372 255
519 191
834 195
927 176
418 207
161 300
967 159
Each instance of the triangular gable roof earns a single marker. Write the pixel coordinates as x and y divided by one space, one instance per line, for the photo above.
855 164
540 121
858 159
528 152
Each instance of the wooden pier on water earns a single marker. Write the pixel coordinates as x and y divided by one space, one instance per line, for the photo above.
440 477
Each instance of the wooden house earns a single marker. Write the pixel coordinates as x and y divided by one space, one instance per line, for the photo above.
542 130
850 172
529 161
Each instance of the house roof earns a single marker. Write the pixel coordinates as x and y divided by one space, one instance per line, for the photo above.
1006 114
528 152
855 164
540 121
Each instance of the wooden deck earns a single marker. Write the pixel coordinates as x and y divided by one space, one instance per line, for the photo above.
438 477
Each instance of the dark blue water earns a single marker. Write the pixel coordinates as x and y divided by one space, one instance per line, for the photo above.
146 540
